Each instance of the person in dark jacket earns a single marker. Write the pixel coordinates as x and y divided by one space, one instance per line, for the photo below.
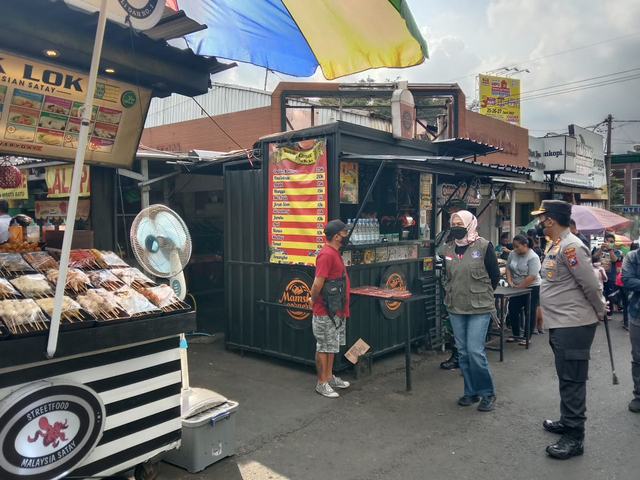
471 274
631 283
576 232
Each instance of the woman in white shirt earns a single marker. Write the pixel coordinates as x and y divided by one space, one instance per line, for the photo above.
5 219
523 271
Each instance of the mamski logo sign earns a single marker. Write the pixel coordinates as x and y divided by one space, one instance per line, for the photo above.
47 429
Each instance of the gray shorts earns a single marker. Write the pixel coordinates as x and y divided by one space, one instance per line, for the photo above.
329 339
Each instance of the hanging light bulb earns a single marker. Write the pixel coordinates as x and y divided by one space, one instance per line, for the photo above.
492 192
507 196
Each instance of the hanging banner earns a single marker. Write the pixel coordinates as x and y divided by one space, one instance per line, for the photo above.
500 98
297 203
18 193
57 209
40 113
59 181
349 183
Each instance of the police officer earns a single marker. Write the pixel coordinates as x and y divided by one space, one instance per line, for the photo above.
572 304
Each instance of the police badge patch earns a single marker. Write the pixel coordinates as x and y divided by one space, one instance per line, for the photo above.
475 254
571 256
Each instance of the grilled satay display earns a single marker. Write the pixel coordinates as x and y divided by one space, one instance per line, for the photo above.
76 282
108 259
41 261
83 259
164 297
105 279
7 290
71 310
102 304
134 278
22 316
134 303
33 286
12 264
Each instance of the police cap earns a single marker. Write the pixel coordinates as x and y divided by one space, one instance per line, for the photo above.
553 206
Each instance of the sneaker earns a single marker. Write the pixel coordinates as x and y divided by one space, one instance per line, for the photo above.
541 331
326 391
487 403
337 382
468 400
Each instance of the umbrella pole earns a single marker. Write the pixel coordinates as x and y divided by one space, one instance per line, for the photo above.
52 343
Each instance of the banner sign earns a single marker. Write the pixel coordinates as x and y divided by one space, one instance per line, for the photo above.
349 183
500 98
40 113
18 193
297 203
57 209
559 154
59 181
445 190
536 160
589 157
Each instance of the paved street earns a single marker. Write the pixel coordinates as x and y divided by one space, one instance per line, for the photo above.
375 430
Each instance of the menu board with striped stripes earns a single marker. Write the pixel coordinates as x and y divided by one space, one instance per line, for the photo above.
297 208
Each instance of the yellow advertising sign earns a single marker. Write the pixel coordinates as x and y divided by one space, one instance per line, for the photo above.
19 193
59 181
500 98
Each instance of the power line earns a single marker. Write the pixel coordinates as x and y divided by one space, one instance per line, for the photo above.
555 54
584 87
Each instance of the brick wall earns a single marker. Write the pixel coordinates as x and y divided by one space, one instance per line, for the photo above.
244 127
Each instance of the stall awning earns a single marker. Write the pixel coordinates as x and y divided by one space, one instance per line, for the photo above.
441 164
464 147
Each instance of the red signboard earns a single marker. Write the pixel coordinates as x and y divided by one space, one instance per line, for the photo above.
297 208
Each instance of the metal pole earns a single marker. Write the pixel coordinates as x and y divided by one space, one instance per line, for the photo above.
75 181
144 167
607 163
553 186
513 213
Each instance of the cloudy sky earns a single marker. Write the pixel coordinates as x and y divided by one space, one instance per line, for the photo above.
559 42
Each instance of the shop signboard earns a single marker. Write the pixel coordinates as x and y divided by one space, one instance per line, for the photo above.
403 113
446 190
559 154
40 113
589 160
142 14
536 159
500 98
18 193
57 209
58 180
47 428
297 202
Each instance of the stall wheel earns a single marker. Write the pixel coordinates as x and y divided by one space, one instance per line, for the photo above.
146 471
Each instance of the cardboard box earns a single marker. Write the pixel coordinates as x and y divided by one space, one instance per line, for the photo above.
81 239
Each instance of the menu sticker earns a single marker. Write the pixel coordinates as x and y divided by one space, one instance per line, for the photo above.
57 105
25 98
297 202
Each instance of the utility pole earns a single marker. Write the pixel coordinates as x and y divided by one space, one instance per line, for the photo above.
607 162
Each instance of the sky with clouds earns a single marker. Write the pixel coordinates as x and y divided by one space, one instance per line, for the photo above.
559 42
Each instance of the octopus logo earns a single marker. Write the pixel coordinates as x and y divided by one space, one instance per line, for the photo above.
51 435
296 294
47 428
394 282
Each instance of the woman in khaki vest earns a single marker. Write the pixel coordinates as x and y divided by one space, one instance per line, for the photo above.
471 275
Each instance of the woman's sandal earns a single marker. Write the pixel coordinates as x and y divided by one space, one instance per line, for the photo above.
510 340
524 343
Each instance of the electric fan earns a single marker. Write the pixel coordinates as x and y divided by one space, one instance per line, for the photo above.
161 244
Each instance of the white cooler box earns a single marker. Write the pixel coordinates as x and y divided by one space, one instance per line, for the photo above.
207 438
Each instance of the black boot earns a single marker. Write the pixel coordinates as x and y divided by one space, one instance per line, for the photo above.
571 444
553 426
452 363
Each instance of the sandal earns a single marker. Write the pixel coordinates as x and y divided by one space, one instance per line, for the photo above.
524 343
510 340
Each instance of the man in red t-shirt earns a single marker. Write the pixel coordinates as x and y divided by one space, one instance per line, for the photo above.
330 333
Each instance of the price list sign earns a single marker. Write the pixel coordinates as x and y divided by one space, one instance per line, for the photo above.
297 208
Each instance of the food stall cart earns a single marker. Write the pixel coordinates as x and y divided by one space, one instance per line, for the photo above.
277 206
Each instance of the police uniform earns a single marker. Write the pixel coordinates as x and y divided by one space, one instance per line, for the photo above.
572 304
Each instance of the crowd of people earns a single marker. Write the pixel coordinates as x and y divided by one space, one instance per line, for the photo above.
572 290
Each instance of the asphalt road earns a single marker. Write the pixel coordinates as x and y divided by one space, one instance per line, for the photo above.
376 430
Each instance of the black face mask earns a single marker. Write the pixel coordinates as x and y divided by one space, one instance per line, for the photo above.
540 229
458 232
344 240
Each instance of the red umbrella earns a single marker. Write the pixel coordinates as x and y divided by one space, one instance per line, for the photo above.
593 220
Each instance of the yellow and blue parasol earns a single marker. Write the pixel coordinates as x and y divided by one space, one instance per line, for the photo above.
296 36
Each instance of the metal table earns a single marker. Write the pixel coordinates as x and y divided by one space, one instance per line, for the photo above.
502 294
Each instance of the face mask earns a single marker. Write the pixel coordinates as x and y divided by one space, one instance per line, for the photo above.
344 240
458 232
540 229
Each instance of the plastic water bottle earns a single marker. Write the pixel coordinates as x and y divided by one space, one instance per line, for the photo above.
356 233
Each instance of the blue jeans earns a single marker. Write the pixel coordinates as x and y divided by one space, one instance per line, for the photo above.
470 332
